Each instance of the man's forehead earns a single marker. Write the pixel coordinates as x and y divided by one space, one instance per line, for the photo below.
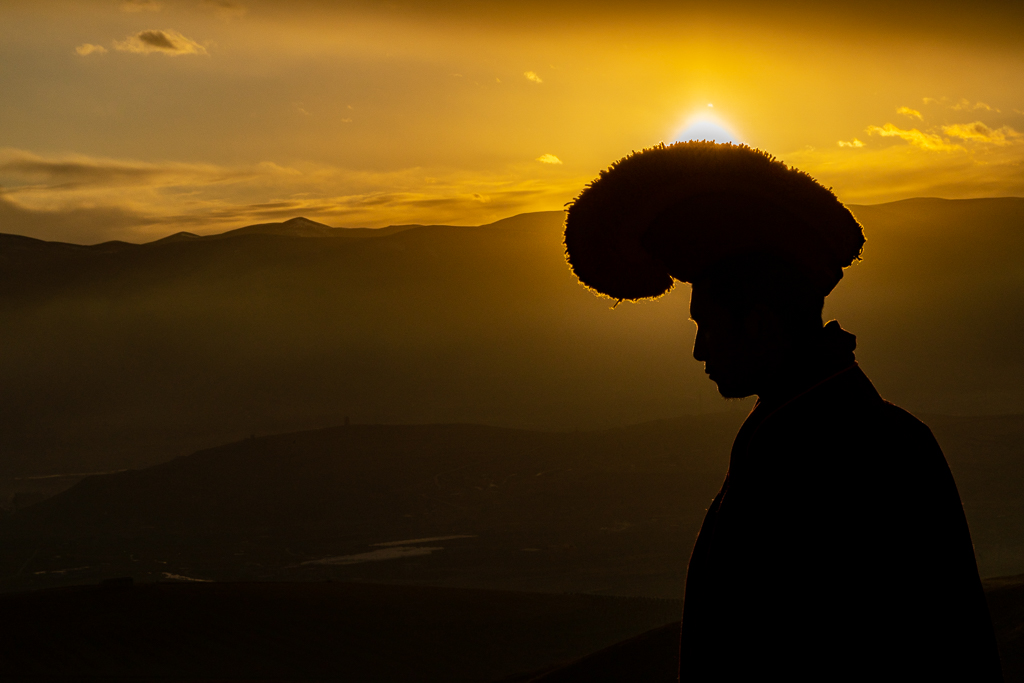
706 303
700 304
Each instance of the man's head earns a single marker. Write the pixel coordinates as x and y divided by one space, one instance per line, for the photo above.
754 319
761 242
670 213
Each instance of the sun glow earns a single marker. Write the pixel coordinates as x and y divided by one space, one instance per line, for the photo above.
705 127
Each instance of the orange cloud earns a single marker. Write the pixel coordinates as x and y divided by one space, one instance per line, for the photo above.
852 143
168 42
549 159
88 49
913 113
140 6
979 132
135 200
926 141
532 76
965 105
225 9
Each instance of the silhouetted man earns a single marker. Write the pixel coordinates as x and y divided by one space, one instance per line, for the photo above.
837 548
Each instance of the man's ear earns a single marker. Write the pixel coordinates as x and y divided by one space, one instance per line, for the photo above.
763 326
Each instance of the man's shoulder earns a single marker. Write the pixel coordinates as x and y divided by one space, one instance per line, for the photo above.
855 397
905 448
904 427
849 414
901 418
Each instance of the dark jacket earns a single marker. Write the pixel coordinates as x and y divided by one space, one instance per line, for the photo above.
837 549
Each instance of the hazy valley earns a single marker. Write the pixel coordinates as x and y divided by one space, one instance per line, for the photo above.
121 355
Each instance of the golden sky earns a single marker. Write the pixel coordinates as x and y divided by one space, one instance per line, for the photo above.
135 119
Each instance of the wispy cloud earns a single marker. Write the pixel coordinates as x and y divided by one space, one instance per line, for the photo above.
141 6
167 41
77 224
882 174
979 132
956 160
22 171
225 9
852 143
926 141
532 76
965 105
137 201
549 159
913 113
88 49
975 132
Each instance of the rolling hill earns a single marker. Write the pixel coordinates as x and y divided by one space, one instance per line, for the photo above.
311 631
611 511
119 355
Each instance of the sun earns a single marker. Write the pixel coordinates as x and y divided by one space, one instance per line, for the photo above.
705 126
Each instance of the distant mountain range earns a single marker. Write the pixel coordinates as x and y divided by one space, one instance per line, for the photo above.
295 227
119 355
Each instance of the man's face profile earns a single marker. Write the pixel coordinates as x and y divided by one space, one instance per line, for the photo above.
737 349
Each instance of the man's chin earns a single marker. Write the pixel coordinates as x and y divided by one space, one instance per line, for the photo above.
733 389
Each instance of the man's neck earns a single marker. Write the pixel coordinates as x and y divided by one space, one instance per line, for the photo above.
819 356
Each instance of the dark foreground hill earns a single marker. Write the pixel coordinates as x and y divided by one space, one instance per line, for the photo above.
612 511
652 657
363 633
358 633
121 355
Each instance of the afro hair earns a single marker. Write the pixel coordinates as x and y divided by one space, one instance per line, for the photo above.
679 211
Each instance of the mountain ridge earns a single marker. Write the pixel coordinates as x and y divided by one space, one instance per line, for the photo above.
298 226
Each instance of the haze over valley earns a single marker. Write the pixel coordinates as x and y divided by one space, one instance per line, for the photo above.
120 355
